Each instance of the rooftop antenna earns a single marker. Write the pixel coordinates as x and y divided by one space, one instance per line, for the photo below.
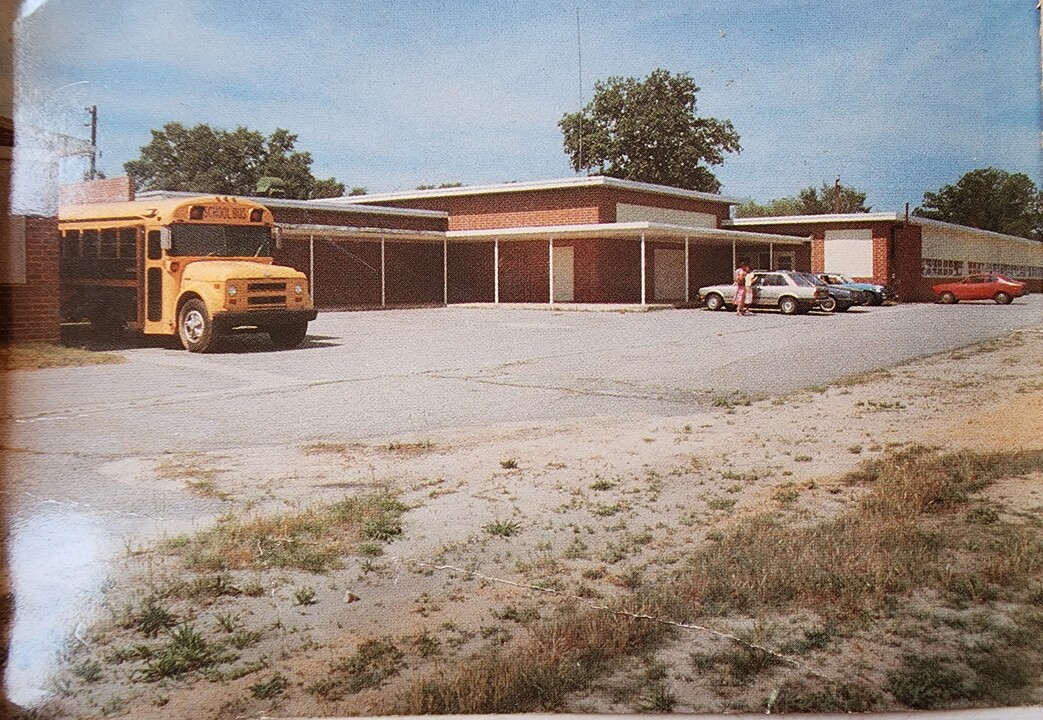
579 56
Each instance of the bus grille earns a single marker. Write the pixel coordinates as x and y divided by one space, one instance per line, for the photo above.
266 287
266 300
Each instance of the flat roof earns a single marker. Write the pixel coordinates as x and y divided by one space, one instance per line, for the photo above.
631 230
530 186
320 204
860 218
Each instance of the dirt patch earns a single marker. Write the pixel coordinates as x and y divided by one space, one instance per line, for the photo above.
513 536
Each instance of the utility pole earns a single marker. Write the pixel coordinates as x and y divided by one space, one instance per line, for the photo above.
836 191
93 112
579 57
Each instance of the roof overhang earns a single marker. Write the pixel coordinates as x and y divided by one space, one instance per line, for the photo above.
863 218
533 185
817 219
656 232
323 204
304 231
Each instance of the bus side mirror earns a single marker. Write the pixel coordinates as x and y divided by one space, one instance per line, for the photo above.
277 233
164 238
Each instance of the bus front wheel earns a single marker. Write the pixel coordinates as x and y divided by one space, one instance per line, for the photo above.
194 326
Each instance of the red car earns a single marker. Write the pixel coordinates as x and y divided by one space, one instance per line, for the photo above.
983 286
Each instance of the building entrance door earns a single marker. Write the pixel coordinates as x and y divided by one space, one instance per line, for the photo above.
564 278
668 266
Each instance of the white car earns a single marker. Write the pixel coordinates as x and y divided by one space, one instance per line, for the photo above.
788 291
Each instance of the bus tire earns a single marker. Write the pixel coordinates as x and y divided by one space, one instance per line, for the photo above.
194 326
287 337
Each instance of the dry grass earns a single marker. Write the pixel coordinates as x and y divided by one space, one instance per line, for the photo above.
40 356
533 675
313 539
893 541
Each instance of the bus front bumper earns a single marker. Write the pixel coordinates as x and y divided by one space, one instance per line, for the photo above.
225 322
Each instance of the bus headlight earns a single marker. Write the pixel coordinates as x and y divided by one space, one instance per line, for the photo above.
232 291
299 289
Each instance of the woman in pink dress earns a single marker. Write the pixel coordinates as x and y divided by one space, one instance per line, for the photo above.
740 287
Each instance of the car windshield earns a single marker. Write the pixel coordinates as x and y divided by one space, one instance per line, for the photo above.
220 240
807 279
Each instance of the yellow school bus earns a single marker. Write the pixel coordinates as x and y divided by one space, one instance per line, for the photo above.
197 268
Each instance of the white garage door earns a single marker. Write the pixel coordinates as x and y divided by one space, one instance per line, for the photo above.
849 252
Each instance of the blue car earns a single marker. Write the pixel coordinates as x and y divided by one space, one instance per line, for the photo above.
876 294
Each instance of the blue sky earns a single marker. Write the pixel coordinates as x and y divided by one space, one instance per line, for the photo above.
894 97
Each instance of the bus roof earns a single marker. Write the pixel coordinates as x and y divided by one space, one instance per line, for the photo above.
144 209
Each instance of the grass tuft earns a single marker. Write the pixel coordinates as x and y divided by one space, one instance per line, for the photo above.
41 356
312 540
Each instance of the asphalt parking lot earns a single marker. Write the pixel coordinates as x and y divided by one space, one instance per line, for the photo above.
371 374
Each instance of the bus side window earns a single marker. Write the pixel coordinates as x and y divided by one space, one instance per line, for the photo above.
155 249
107 249
71 244
128 246
90 244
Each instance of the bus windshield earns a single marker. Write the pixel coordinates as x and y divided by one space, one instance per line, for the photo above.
220 241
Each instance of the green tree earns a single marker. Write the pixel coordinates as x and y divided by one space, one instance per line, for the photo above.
809 201
648 130
237 162
989 199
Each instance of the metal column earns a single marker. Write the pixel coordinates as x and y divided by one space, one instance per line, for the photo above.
383 283
687 292
771 256
643 268
550 242
496 271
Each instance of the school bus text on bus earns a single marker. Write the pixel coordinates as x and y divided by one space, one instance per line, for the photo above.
197 268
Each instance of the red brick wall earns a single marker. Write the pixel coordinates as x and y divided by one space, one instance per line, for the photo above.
119 189
708 265
513 209
471 272
347 273
524 272
414 273
30 312
552 206
612 272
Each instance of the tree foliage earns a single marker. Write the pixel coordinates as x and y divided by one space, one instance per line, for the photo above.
648 130
989 199
809 201
233 162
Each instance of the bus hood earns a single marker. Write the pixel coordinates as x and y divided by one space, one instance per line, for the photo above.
222 270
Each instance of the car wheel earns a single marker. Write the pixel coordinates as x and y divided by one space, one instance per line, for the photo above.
876 300
286 337
828 304
788 306
1003 298
947 298
194 326
714 302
